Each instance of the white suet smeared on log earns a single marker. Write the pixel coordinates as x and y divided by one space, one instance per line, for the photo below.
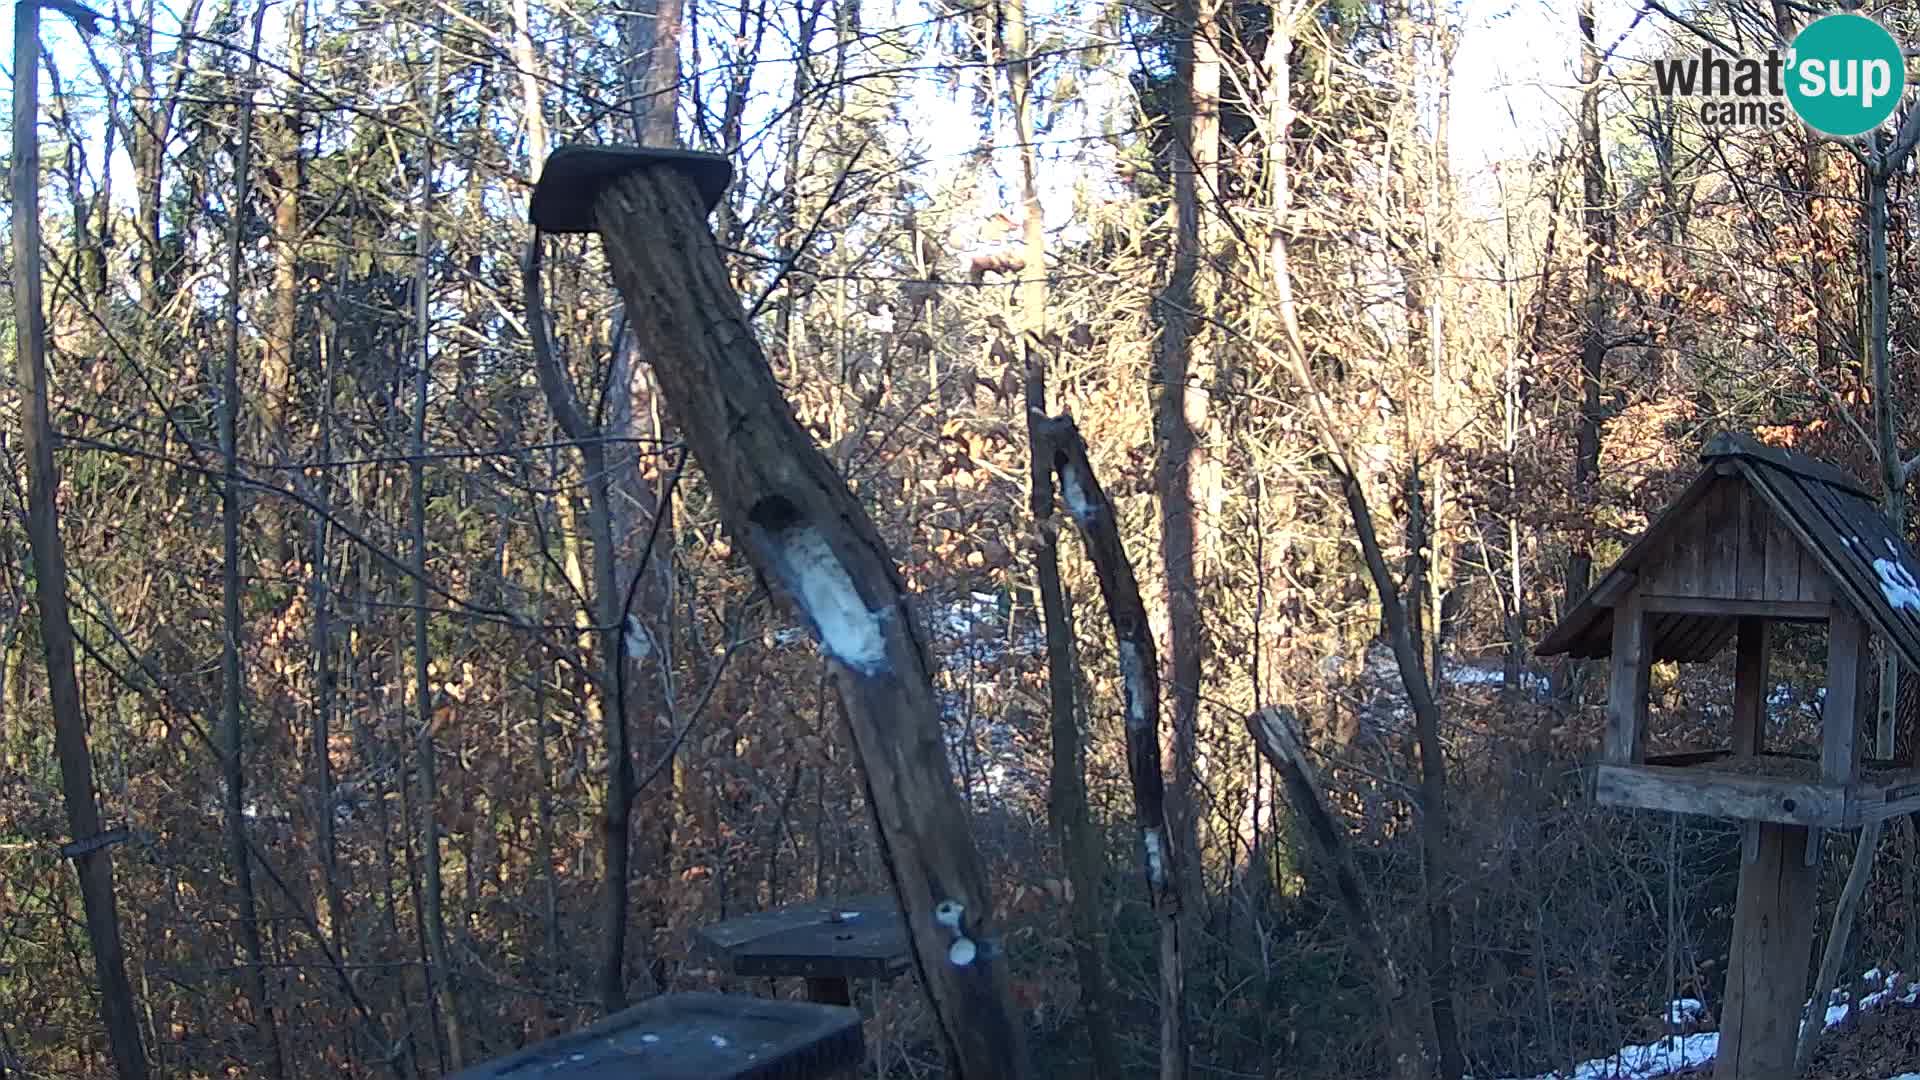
1156 857
639 642
1133 675
812 574
1079 500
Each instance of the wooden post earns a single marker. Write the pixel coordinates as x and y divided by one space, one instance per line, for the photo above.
1626 735
1767 972
811 539
1750 687
829 991
1840 715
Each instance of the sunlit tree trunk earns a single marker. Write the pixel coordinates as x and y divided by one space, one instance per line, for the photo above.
94 865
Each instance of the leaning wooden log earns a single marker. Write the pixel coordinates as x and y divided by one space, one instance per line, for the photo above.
809 537
1279 742
1091 510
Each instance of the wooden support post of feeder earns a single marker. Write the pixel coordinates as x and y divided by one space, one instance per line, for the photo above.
1761 535
809 537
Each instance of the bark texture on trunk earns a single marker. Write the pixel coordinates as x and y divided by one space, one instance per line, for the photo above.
95 866
1160 853
808 535
233 688
1185 377
1593 346
1067 789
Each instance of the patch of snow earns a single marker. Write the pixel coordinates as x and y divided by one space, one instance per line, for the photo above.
962 953
1156 857
719 1041
649 1037
1678 1053
1685 1010
1670 1055
1470 675
1897 585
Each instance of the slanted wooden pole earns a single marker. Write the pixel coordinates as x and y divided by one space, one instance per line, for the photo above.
808 535
1092 511
1278 740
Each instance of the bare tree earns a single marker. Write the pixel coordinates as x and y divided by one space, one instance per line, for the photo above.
1091 509
233 686
91 852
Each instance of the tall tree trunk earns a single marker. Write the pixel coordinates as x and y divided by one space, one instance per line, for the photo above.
534 116
94 864
606 609
440 976
653 70
1067 791
1185 373
233 688
289 185
643 589
1593 345
1434 864
323 676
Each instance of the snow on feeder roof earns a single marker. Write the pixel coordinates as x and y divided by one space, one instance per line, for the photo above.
1761 531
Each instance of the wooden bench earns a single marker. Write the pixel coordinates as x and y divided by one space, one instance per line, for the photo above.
696 1037
828 943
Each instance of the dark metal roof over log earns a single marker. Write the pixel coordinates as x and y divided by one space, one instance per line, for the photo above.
1842 535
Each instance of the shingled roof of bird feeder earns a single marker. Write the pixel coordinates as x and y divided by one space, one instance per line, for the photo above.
1844 549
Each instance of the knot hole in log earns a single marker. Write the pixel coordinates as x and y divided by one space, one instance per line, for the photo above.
774 513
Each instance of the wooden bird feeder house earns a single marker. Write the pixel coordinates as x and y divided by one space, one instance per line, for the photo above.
1762 534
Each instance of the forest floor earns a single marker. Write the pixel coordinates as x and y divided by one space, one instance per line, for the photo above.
1882 1044
1885 1042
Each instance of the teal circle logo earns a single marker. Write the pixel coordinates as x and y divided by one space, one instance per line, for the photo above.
1845 75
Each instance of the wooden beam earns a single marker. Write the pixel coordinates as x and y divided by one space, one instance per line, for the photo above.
1627 689
1846 677
1613 587
1750 687
1733 607
1722 795
1767 971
